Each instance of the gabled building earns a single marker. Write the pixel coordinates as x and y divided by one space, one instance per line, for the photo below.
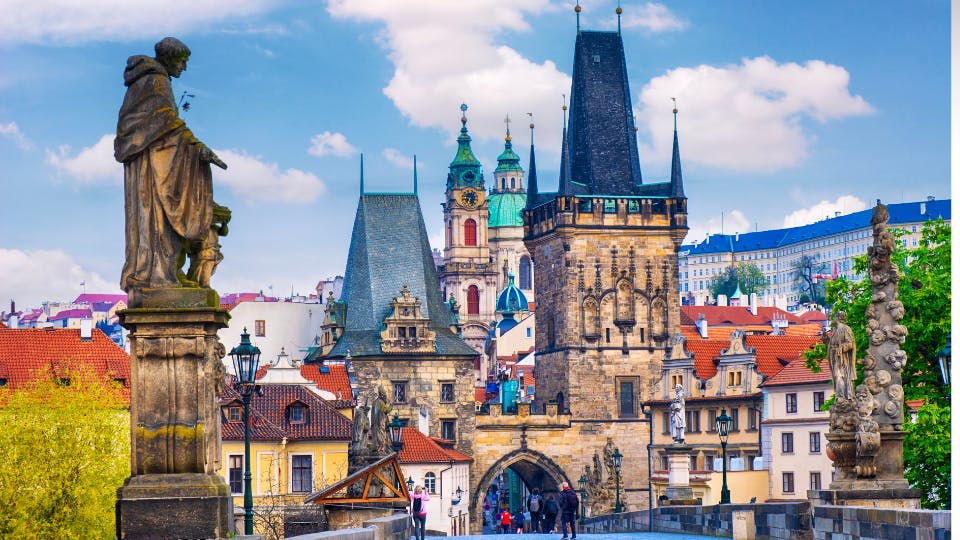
718 322
794 429
393 328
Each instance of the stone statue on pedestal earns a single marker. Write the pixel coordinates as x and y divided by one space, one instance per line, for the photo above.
842 352
678 416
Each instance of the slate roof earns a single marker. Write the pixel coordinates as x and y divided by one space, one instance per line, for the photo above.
269 412
98 298
796 372
602 143
82 313
900 213
418 448
26 353
389 248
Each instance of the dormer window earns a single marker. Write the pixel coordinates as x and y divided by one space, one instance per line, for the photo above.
676 380
734 378
406 329
234 414
297 414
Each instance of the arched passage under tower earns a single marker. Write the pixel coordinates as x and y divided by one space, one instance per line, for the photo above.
511 478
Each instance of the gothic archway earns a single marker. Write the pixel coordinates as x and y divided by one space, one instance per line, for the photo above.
534 469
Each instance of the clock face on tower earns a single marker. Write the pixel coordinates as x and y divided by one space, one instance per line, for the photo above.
470 198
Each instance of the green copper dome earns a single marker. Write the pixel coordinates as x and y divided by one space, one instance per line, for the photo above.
508 160
465 167
506 209
512 299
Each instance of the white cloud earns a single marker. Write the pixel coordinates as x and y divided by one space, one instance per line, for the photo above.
398 159
255 180
331 144
731 222
445 53
12 131
32 276
845 204
746 117
91 165
651 16
68 21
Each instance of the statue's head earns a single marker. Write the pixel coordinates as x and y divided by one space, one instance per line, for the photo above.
173 55
840 316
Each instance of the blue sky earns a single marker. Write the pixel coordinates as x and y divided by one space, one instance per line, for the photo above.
789 111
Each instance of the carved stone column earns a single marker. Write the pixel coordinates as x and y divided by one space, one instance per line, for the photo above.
174 490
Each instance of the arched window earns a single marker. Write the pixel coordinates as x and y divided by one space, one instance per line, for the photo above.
525 273
513 183
473 300
503 183
469 232
430 483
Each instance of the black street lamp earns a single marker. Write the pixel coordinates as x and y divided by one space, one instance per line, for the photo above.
410 484
943 358
583 496
396 433
617 463
459 493
723 430
246 360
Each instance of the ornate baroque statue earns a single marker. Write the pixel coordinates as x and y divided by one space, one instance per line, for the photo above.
379 418
842 352
677 416
168 186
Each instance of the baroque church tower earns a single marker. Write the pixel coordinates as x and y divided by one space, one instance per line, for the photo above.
468 272
605 246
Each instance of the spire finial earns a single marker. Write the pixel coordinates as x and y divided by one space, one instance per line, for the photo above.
530 114
414 174
361 173
674 113
506 120
577 9
619 12
463 116
564 111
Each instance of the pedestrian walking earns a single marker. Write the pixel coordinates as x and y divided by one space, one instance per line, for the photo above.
550 511
418 511
504 519
569 510
535 505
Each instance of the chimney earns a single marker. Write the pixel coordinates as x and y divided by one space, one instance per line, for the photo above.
702 326
923 207
86 329
13 306
836 214
721 300
931 198
13 321
753 304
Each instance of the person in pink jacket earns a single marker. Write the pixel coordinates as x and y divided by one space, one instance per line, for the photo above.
418 510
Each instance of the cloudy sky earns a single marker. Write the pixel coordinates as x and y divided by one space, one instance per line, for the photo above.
789 111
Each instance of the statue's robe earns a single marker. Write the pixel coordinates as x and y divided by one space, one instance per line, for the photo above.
168 190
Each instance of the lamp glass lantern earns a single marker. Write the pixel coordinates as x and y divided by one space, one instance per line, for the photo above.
246 360
459 494
723 431
396 433
410 483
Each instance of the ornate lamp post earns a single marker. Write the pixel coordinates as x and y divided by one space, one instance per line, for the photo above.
723 430
944 357
617 463
246 360
459 496
583 496
410 484
395 428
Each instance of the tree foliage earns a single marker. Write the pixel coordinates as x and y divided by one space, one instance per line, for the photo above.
811 289
926 455
64 451
747 276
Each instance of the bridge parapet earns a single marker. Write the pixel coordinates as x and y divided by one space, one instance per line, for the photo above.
496 419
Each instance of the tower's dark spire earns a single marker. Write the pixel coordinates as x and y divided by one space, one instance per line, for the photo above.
601 142
577 9
532 172
361 173
676 177
414 174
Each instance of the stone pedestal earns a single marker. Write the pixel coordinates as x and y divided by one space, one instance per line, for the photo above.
678 479
176 376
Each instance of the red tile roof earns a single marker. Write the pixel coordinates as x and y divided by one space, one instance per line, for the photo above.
323 421
336 381
480 394
814 316
734 315
418 448
796 372
770 350
28 353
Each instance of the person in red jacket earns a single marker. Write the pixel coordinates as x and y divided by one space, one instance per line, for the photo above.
418 510
504 518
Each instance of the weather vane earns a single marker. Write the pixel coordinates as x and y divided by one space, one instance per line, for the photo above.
506 120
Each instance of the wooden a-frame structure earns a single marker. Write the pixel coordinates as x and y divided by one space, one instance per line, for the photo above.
379 482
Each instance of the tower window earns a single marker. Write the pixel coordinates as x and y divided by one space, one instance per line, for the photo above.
525 281
513 183
473 300
470 233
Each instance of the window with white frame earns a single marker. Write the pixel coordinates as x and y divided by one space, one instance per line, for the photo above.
786 442
814 442
430 483
235 473
788 482
301 473
791 403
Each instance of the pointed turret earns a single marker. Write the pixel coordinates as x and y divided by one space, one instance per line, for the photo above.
676 177
509 173
532 187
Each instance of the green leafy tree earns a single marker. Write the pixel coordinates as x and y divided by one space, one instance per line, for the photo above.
925 291
64 451
748 276
811 289
926 455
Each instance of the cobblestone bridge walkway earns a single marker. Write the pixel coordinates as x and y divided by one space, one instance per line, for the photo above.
587 536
